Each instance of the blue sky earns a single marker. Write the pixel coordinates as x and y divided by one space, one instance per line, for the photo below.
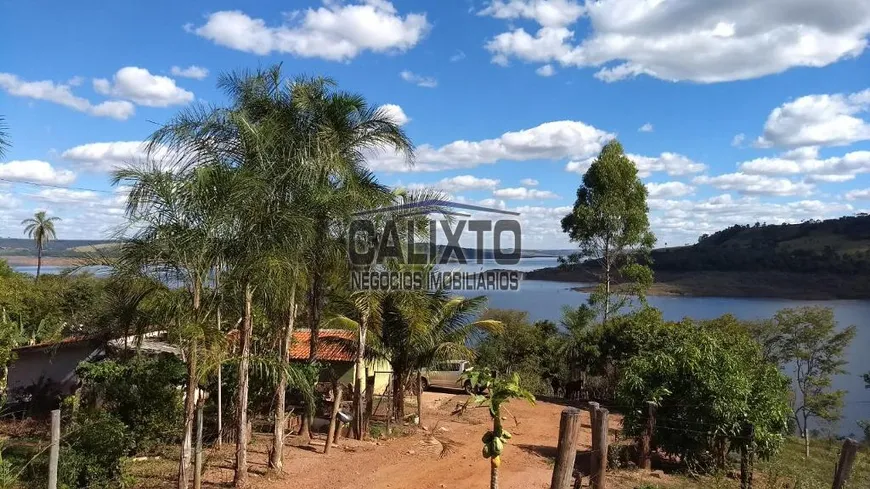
735 112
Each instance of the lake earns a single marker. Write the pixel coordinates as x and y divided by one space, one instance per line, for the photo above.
545 300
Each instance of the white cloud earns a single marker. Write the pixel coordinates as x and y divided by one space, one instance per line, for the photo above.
863 194
522 193
551 13
668 190
109 156
684 220
805 161
419 80
458 56
548 141
755 184
459 183
140 86
671 163
738 140
546 70
395 113
704 42
65 196
646 128
818 120
192 71
35 171
335 31
62 94
529 182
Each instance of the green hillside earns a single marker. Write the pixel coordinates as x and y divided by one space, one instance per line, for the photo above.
831 246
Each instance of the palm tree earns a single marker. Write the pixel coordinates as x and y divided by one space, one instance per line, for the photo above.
40 229
4 138
177 218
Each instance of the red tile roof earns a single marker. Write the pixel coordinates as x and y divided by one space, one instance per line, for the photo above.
333 345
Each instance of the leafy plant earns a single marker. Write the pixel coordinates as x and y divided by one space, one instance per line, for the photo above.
497 392
94 451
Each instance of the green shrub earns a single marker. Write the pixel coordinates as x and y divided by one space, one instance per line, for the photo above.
142 393
93 452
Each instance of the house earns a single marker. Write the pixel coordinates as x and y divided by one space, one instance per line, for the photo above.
336 349
50 368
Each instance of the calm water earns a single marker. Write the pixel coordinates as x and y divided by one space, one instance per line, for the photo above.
545 300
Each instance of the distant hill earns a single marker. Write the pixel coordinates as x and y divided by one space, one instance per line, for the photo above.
831 246
811 260
57 248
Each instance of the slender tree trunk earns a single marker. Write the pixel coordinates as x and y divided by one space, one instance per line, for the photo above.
419 398
38 259
806 440
220 387
399 397
189 401
358 406
276 459
241 476
314 311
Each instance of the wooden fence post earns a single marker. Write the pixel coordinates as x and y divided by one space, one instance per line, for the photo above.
197 456
747 456
599 449
844 465
54 452
645 461
370 401
569 427
592 407
330 434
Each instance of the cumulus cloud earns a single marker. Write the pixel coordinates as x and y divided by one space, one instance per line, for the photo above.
755 184
805 161
109 156
62 94
549 141
671 163
335 31
668 190
523 193
685 220
192 71
863 194
551 13
35 171
738 139
704 42
140 86
65 196
546 70
459 183
419 80
646 128
529 182
818 120
459 55
395 113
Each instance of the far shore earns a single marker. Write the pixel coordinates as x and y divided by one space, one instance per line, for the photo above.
47 261
761 284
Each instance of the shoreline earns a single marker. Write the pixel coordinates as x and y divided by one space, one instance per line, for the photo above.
47 261
760 285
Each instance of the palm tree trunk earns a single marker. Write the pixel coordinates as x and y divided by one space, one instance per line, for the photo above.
314 310
276 459
358 407
189 401
240 478
38 259
399 397
419 398
189 414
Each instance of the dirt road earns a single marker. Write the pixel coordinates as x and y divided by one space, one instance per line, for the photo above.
414 461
